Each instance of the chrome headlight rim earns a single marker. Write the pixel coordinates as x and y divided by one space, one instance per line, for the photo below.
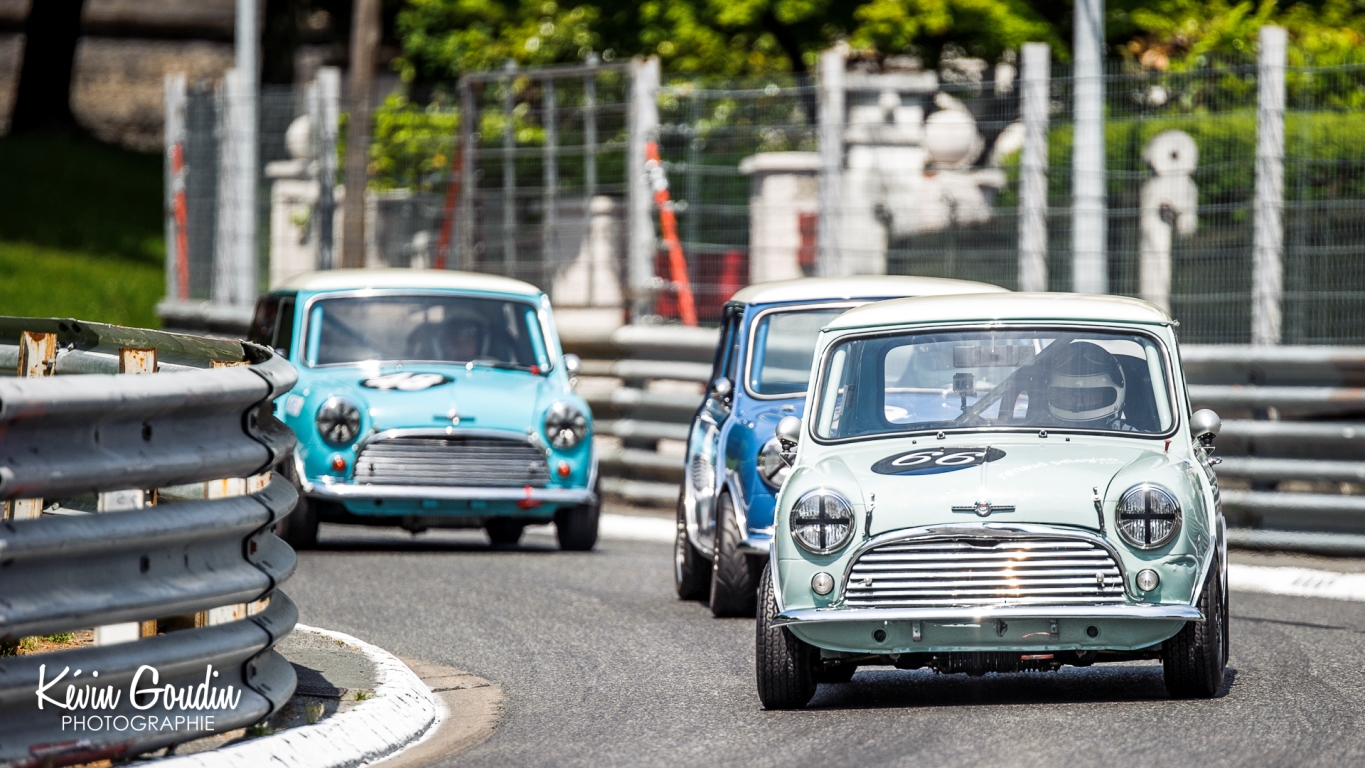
1132 506
338 421
565 425
770 460
794 522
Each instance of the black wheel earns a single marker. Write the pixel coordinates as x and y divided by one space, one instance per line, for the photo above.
785 664
1194 659
835 675
299 528
734 575
690 574
504 533
576 527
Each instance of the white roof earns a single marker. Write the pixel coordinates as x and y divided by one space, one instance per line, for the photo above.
862 287
995 307
358 279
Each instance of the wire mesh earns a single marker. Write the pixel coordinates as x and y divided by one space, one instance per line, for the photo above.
537 188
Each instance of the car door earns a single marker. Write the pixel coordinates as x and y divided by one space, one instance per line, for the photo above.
703 474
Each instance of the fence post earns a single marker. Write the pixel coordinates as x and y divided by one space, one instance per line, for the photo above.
548 216
1089 265
831 148
469 143
37 357
644 123
130 361
1267 270
323 111
177 213
234 277
1034 97
509 177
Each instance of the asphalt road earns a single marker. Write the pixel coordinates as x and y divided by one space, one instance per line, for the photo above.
603 666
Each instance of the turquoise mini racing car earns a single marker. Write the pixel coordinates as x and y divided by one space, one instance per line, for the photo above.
430 399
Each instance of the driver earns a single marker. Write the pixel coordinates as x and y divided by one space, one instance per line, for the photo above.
461 339
1086 388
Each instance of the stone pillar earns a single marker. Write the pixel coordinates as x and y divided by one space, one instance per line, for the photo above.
783 190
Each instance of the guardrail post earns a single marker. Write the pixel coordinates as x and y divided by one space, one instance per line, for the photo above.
222 489
37 357
130 361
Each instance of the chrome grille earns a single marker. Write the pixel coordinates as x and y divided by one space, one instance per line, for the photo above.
972 571
452 461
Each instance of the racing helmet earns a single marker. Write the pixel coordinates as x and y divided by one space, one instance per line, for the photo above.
1086 384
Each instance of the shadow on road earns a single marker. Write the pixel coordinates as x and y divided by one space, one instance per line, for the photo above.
881 688
359 538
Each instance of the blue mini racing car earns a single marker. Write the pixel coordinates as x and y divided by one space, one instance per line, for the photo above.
735 464
430 399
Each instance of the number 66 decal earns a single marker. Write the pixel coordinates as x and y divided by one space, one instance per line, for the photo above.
932 461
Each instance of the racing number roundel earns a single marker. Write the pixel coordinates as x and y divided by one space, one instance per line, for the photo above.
932 461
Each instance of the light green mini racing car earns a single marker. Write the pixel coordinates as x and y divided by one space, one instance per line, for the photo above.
995 483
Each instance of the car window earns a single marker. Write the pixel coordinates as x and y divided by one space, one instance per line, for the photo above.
284 326
1025 379
262 330
726 349
784 345
450 329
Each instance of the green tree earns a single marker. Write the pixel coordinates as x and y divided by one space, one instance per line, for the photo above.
726 38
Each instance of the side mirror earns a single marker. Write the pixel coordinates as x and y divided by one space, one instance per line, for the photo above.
572 364
789 430
722 389
1205 425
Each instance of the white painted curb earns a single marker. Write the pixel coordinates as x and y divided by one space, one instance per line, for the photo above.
401 713
1296 582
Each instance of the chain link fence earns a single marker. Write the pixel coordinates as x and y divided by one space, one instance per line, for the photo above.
927 182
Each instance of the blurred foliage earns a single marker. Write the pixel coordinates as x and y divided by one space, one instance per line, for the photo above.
443 38
1180 35
414 146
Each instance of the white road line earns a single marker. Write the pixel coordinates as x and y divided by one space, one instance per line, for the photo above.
1297 582
636 528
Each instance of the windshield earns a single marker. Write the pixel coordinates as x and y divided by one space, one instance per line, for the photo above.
1026 379
783 347
446 329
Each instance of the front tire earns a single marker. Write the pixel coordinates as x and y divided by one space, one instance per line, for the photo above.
576 527
690 574
734 575
1193 661
299 528
785 664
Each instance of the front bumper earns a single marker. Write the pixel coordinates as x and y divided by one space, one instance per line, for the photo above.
805 616
350 492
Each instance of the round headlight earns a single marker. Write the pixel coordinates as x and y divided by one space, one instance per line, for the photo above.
565 426
822 521
338 421
1148 516
772 466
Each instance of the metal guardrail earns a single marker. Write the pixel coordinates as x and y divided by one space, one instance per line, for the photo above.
66 437
1291 415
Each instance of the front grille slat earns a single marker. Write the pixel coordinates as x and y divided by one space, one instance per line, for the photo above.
970 571
452 461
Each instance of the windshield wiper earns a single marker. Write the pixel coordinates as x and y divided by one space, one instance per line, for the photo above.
501 365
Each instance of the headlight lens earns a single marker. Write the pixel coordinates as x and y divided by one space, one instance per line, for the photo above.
822 521
1148 516
565 425
338 421
772 467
